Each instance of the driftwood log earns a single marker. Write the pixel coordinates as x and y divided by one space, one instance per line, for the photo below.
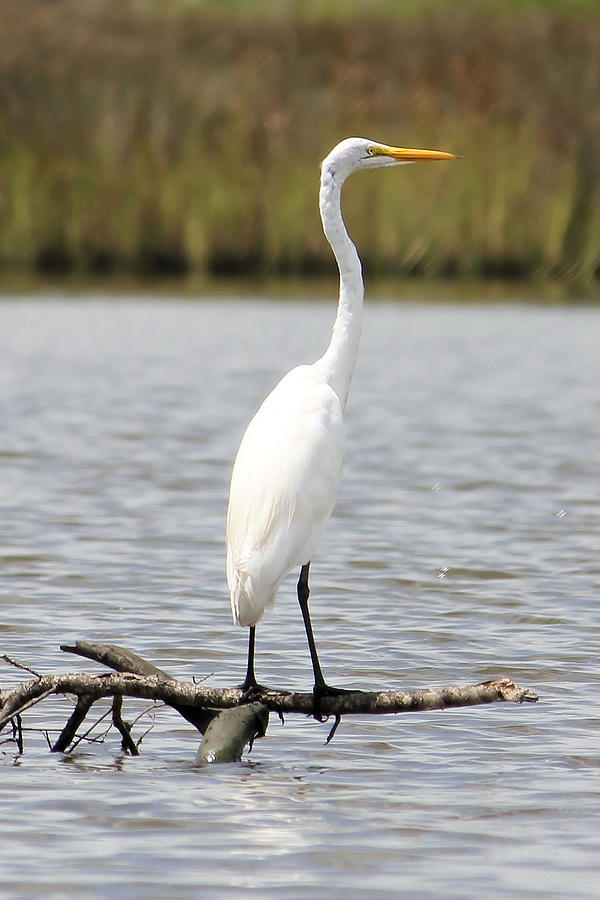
227 727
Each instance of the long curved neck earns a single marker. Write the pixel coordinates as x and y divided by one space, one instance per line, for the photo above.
338 360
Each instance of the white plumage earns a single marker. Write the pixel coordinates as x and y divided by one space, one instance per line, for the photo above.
282 489
287 470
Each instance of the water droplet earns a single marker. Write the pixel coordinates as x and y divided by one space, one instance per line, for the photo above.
443 571
561 514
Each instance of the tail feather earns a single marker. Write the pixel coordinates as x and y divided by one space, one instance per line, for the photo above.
248 606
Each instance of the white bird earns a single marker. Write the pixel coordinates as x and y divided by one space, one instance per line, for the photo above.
287 469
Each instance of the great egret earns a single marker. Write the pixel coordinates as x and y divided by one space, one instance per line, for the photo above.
288 466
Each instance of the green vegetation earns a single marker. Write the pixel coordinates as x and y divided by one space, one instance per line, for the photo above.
186 138
396 9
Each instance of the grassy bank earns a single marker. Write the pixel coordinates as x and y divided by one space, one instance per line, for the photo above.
165 137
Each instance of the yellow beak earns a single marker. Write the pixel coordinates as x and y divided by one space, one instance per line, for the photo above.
402 154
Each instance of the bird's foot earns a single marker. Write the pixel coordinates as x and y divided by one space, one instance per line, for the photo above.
320 691
251 691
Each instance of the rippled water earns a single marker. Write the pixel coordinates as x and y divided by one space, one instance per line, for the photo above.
465 544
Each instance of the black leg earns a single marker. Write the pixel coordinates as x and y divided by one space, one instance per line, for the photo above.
303 595
250 683
321 688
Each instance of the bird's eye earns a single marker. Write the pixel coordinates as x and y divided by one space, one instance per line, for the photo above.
371 151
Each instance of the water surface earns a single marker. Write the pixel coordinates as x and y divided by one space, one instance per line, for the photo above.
464 546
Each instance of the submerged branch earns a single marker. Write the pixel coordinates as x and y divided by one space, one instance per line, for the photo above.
123 660
84 704
225 732
227 727
229 732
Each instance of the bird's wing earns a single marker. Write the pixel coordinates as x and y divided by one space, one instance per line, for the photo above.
283 488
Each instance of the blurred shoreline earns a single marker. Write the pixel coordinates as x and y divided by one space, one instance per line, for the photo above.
172 141
292 289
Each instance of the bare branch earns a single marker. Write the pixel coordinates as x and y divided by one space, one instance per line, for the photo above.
86 734
227 726
37 698
180 693
123 660
123 727
17 728
81 710
150 711
114 657
18 665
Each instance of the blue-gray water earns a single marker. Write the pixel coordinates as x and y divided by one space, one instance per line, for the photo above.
465 545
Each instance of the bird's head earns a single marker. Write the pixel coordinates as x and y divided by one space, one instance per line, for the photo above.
356 153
